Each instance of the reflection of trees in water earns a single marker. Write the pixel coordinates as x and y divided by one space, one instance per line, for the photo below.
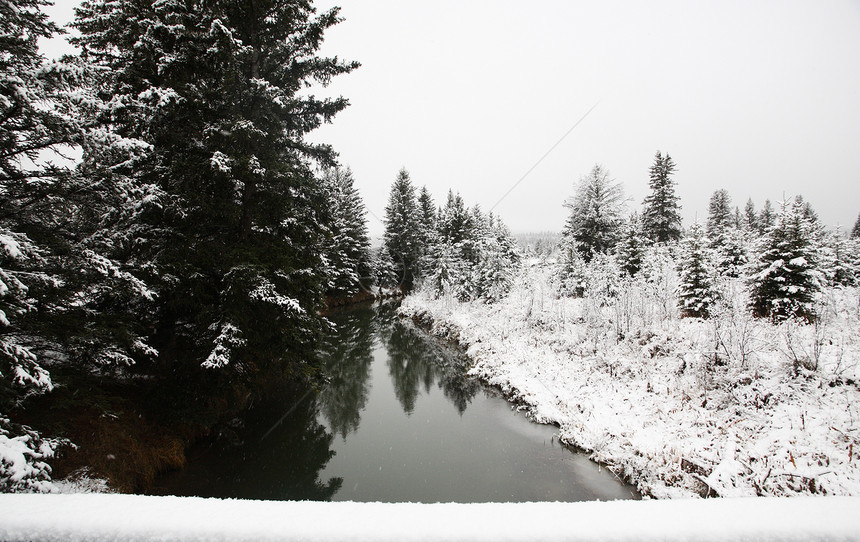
414 358
347 354
276 453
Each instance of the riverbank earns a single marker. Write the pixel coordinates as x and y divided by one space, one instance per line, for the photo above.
679 407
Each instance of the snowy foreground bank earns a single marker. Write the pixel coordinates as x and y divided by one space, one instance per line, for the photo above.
731 406
134 517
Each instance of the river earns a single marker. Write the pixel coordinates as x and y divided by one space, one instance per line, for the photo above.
397 421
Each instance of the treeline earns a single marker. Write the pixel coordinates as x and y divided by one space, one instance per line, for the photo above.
782 257
195 240
451 250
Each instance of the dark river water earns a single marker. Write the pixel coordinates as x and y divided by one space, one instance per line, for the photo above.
398 421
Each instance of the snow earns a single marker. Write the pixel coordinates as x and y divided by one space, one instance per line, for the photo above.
10 246
135 517
777 416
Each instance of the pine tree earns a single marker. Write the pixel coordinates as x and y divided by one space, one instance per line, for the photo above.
631 247
497 260
594 222
750 216
731 254
57 287
661 216
402 236
787 276
427 212
571 272
719 216
696 290
348 252
213 90
766 218
840 259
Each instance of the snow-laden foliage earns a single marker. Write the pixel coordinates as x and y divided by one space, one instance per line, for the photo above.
236 227
348 251
403 239
631 246
720 217
595 214
786 275
679 406
840 258
473 255
696 289
23 455
661 213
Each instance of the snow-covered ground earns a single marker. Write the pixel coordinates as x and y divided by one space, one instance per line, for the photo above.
681 407
96 517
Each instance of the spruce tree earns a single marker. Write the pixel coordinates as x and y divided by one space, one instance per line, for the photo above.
661 214
750 216
214 91
696 290
719 216
766 218
855 231
60 286
348 251
402 235
787 276
427 211
594 223
631 246
840 259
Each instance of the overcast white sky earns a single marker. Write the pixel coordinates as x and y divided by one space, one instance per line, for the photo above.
759 98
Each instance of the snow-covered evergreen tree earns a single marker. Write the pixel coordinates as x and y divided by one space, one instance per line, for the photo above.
631 246
840 259
731 252
696 288
402 237
348 251
766 218
498 259
720 216
427 210
214 91
595 214
59 286
661 214
787 274
750 216
855 231
474 255
571 271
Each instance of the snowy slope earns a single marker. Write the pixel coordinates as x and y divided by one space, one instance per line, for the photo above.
131 517
651 403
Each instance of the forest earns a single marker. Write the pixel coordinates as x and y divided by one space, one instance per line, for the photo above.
720 359
166 224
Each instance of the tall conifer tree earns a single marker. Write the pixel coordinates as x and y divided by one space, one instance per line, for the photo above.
402 236
719 216
213 89
787 276
696 290
661 214
348 249
594 223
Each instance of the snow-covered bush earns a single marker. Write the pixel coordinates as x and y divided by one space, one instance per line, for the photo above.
22 458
